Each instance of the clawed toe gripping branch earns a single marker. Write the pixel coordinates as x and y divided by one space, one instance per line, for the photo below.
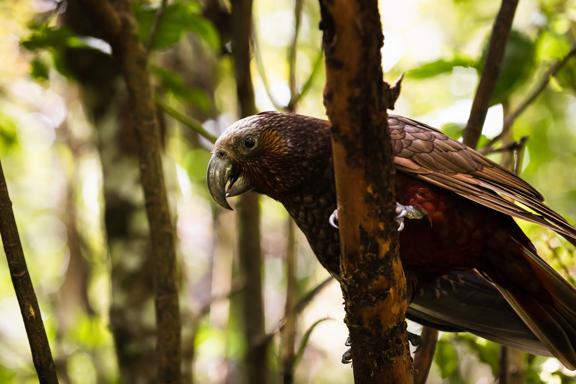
402 212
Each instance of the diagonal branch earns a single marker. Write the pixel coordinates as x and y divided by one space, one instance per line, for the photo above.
551 72
297 309
262 71
186 120
292 53
496 48
27 301
541 85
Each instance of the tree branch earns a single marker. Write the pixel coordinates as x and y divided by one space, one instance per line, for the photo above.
371 274
186 120
248 217
424 355
541 85
292 53
551 72
22 283
262 70
496 48
133 60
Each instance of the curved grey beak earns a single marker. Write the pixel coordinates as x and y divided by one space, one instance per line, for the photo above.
224 180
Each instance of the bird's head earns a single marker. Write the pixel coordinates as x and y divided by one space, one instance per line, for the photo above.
271 153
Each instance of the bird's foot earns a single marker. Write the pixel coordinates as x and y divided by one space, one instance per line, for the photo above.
347 356
408 212
402 212
415 340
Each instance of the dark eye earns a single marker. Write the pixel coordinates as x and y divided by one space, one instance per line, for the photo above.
249 142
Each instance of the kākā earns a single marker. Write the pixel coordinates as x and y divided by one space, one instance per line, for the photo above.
468 264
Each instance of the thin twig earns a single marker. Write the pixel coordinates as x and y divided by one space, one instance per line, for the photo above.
316 67
298 308
41 355
186 120
288 334
288 351
554 68
533 95
262 70
156 25
496 48
292 52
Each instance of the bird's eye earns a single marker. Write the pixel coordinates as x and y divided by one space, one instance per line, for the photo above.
249 142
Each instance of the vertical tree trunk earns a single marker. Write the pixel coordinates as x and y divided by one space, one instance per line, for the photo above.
372 278
128 244
248 222
115 22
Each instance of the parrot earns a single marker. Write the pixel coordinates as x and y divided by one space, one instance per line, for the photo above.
469 266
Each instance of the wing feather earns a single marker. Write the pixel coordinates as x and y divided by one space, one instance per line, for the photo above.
430 155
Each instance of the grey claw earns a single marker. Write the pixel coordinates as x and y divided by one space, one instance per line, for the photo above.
408 212
333 219
348 342
415 340
347 356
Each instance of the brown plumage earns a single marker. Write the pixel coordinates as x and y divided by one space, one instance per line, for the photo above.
469 265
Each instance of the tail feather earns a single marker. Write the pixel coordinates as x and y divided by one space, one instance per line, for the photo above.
551 314
464 301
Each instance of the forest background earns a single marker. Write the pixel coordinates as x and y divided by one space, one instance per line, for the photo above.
70 156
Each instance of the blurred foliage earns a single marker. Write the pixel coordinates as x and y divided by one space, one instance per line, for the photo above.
178 18
439 45
517 66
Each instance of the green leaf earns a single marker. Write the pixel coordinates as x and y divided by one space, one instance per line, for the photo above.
174 83
453 130
306 339
552 46
177 19
45 37
196 162
39 70
566 78
441 66
203 28
8 134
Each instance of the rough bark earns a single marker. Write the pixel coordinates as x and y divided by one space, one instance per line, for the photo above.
490 71
41 355
372 278
116 23
248 216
